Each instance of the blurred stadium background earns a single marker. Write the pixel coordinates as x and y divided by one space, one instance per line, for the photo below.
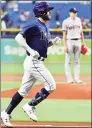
14 15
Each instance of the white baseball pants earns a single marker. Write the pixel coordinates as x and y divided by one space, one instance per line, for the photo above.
74 47
35 70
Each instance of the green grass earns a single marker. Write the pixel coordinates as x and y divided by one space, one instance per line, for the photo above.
7 85
57 110
9 68
88 43
54 68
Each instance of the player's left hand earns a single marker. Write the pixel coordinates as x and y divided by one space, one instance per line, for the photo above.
56 40
34 54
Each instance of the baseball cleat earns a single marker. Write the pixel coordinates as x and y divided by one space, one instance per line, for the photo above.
6 119
78 81
69 81
30 111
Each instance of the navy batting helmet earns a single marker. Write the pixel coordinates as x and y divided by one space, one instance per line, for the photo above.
41 8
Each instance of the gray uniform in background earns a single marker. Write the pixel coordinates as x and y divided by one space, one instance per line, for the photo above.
73 29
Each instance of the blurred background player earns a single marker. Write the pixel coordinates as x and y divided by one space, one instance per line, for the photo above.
57 18
72 37
35 39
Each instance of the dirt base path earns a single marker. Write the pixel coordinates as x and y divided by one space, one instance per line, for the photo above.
63 91
48 125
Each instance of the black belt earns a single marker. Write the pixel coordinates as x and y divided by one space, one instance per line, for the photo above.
75 39
39 58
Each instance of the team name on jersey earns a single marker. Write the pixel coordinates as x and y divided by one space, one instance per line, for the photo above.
45 35
73 27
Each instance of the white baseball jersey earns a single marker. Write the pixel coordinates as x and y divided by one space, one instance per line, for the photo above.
72 27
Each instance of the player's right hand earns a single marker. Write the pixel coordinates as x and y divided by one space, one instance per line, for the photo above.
34 54
65 49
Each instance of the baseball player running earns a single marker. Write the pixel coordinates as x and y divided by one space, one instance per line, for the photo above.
72 37
35 39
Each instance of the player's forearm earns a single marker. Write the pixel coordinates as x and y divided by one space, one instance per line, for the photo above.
64 39
22 42
64 42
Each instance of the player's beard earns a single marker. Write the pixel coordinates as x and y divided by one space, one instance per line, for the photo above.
46 17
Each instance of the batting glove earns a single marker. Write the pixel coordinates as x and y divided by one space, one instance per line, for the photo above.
34 54
57 40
